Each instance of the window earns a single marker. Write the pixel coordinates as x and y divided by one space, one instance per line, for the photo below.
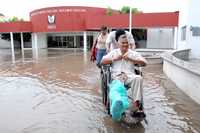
195 31
183 33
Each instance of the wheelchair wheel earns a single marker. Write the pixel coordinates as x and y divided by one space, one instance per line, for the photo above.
108 80
107 103
104 88
105 80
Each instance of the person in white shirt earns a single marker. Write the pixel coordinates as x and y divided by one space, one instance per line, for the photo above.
111 42
123 61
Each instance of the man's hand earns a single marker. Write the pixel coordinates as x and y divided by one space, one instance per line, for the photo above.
134 61
118 58
125 57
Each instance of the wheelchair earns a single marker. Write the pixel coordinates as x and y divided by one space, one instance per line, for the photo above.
106 80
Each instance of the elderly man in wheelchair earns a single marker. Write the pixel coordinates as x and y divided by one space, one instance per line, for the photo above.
122 62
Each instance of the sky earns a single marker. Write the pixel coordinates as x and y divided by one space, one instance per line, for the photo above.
22 8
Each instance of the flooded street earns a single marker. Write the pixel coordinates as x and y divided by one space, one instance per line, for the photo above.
59 92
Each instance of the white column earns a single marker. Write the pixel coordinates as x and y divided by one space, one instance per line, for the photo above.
35 41
130 19
12 46
35 45
85 58
62 38
75 41
22 44
85 41
42 40
175 38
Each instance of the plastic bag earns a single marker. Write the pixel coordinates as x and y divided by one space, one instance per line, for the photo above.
118 99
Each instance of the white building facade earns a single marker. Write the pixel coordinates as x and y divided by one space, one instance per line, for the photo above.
189 27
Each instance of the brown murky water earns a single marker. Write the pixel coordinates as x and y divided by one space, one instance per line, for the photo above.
59 93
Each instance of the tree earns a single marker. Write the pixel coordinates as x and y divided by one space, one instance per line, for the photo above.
126 9
109 11
12 19
123 10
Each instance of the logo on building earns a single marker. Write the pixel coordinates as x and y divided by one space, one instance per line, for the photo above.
51 19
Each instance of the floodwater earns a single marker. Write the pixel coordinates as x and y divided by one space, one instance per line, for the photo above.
59 92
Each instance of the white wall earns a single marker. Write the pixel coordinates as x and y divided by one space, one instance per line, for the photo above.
160 38
190 16
195 45
194 20
183 20
184 79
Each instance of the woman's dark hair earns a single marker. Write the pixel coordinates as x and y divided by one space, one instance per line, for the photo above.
118 33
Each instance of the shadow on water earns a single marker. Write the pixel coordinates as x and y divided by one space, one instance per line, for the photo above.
59 92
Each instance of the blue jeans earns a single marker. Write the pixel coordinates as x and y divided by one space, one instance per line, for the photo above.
100 54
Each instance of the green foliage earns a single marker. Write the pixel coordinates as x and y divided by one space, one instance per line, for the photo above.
109 11
2 19
123 10
12 19
126 9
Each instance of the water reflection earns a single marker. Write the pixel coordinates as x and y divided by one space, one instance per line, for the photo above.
60 93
